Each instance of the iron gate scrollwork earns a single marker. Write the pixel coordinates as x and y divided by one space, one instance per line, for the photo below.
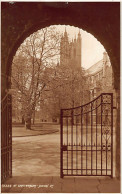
87 138
6 137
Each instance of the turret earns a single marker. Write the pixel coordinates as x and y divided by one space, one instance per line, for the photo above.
78 49
79 36
105 62
105 57
64 53
65 34
75 40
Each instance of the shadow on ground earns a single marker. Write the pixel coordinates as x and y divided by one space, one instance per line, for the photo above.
19 130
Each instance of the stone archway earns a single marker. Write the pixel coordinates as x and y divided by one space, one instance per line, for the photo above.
102 20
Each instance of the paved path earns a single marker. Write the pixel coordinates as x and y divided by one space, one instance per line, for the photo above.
53 184
36 155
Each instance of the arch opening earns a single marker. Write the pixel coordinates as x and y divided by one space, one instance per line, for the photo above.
54 66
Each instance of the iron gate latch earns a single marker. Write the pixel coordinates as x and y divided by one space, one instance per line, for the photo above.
64 148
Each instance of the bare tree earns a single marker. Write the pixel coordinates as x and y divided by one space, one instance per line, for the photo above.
31 69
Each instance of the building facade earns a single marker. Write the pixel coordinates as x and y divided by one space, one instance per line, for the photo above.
100 77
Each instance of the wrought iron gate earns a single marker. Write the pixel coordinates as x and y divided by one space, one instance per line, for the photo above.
87 138
6 138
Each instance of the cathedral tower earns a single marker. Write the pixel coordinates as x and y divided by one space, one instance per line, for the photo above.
70 52
64 49
78 50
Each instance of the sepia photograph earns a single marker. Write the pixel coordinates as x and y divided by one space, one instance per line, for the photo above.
60 97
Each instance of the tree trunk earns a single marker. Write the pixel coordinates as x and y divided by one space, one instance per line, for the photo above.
23 120
34 117
28 123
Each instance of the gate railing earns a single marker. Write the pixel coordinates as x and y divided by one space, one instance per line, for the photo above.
6 138
87 138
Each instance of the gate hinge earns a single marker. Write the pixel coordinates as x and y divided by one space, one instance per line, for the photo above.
64 148
114 107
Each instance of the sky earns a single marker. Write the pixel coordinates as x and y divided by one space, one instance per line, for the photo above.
92 50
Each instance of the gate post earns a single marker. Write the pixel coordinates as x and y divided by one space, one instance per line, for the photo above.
112 135
61 143
118 134
10 132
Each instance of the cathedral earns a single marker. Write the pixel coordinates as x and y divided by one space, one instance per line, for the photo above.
99 75
70 51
